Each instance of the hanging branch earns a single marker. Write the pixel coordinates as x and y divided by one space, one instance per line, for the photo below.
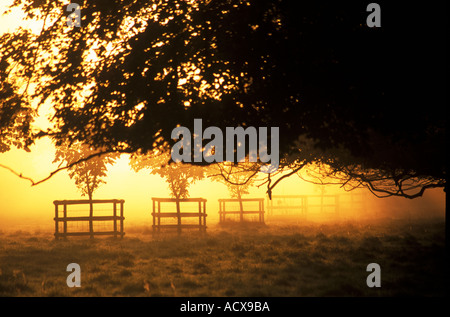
34 183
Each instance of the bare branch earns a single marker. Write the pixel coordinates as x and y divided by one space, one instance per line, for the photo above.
34 183
227 178
16 173
294 171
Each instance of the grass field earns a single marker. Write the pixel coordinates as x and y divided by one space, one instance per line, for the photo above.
242 260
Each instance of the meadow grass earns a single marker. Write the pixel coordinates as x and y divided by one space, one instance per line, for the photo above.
233 260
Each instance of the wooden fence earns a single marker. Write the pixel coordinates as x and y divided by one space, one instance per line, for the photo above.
287 204
117 220
241 212
175 218
322 205
303 205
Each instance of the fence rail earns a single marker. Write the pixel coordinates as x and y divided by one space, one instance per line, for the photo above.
223 212
300 206
178 215
117 220
326 204
303 204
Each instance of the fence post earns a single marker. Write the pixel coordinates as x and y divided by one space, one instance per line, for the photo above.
200 215
204 215
56 221
115 218
261 203
178 215
159 215
224 210
65 220
153 214
259 211
91 214
121 218
241 207
271 206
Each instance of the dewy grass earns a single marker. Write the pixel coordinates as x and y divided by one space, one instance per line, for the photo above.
274 260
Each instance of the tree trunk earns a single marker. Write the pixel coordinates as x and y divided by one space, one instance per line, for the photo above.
178 213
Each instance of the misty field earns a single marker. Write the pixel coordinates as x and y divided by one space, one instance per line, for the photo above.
241 260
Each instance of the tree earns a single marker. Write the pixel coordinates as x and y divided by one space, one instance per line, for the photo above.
237 177
15 119
178 176
368 102
86 168
88 174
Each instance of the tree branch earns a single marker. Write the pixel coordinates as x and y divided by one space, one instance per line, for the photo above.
34 183
33 64
294 171
227 178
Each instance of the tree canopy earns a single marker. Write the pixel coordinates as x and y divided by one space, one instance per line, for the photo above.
368 104
15 120
88 174
237 177
178 176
